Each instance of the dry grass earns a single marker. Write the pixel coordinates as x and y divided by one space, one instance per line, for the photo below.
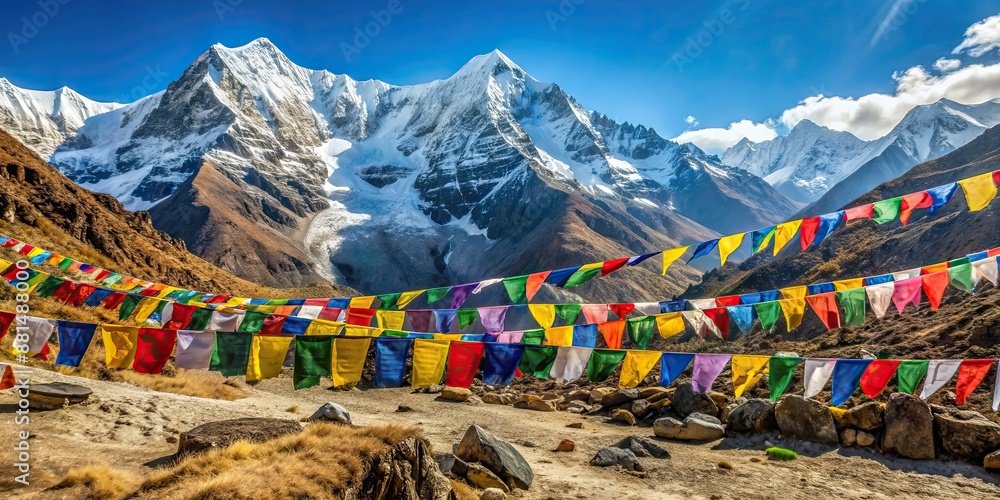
292 409
99 482
200 384
463 491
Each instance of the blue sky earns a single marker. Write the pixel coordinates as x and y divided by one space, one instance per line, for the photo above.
654 63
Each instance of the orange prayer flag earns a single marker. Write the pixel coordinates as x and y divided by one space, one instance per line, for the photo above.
934 285
970 373
911 202
862 212
825 306
534 284
612 332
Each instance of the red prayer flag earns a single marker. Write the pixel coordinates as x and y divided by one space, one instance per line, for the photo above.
996 177
993 252
153 349
621 310
729 300
934 285
862 212
970 373
151 290
463 363
101 275
79 296
114 300
360 316
65 290
611 266
11 243
719 316
180 317
217 299
807 231
26 249
330 313
878 375
273 325
317 302
43 353
534 284
6 318
612 332
825 306
911 202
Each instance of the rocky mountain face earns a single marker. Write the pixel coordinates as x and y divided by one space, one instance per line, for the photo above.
826 168
263 166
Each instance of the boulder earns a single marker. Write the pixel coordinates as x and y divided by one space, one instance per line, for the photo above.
909 427
867 416
578 395
848 437
456 394
642 447
653 391
521 405
864 439
966 435
805 419
611 456
598 394
332 412
493 494
992 461
483 478
542 405
492 398
755 416
624 416
576 407
640 408
565 445
619 398
696 427
478 445
226 432
685 402
55 395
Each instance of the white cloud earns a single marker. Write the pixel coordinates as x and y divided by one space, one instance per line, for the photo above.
714 140
981 37
690 120
945 65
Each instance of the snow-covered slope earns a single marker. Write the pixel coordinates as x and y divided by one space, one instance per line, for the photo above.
810 160
42 120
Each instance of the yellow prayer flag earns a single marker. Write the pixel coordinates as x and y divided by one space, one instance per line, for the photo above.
4 264
850 284
728 245
267 355
636 365
429 356
166 291
449 336
324 327
670 324
266 309
784 233
119 345
235 301
55 259
979 191
35 252
364 302
747 371
146 307
390 320
348 360
670 256
793 310
35 280
559 336
361 331
794 292
406 297
544 314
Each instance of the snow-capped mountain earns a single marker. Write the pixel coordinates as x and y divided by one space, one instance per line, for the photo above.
42 119
260 164
810 160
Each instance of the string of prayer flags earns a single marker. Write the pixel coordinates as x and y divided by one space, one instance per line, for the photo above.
817 372
747 371
603 363
846 377
728 245
501 362
194 349
537 360
780 370
569 364
463 362
313 357
825 307
979 191
878 375
672 365
231 354
636 365
267 355
429 357
970 373
707 368
939 372
671 256
74 339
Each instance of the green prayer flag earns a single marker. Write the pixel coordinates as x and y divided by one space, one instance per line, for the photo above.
253 321
467 317
127 306
958 262
516 288
388 300
582 276
277 302
159 307
65 263
199 319
231 353
909 373
887 210
853 302
533 337
768 313
962 277
395 333
603 363
640 330
436 294
780 370
176 294
537 360
49 286
568 312
313 356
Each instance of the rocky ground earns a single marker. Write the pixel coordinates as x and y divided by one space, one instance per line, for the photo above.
130 427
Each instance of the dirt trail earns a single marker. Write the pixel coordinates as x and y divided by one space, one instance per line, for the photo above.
128 426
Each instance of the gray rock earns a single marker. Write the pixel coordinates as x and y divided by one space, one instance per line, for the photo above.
909 427
493 494
478 445
696 427
332 412
867 416
967 435
685 402
805 419
226 432
640 408
619 397
642 447
755 416
611 456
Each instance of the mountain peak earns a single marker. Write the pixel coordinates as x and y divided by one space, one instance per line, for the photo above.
255 44
492 63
